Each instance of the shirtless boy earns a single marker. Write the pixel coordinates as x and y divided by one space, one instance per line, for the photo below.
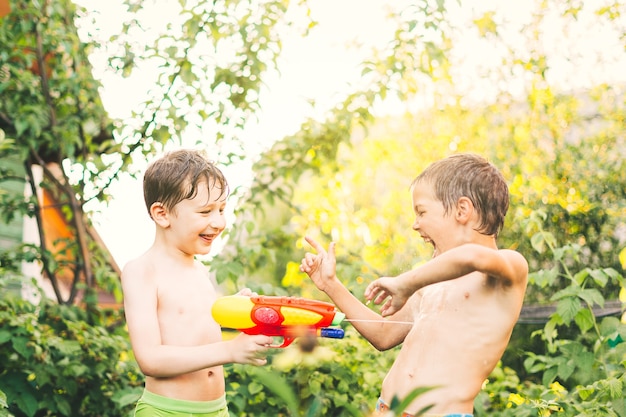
463 303
168 294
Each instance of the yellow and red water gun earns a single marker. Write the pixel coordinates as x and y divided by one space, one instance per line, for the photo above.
286 317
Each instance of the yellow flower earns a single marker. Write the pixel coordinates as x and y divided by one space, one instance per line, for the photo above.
558 389
515 399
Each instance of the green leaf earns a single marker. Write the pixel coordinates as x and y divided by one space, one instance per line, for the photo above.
255 388
614 388
567 308
619 405
63 405
544 277
399 406
585 392
279 386
26 401
3 400
565 370
549 376
538 242
584 319
316 408
585 362
600 277
5 336
581 275
613 275
609 326
20 344
69 347
315 387
592 297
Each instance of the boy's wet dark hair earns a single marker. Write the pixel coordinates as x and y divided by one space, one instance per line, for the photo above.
175 177
472 176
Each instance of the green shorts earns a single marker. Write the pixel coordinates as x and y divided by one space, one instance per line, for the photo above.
152 405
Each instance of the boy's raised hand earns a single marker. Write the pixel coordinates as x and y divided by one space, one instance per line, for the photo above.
321 268
387 288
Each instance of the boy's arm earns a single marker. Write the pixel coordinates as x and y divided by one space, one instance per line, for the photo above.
158 360
321 268
507 266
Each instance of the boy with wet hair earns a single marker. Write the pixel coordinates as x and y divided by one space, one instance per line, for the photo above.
168 294
463 303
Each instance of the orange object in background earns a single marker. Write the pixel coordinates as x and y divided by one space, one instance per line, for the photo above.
5 8
57 230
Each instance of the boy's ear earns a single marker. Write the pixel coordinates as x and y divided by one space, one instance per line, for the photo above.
159 214
464 210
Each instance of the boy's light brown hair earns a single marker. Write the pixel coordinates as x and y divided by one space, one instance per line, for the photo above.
472 176
175 177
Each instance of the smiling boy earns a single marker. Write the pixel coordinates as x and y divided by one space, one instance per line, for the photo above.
463 303
168 294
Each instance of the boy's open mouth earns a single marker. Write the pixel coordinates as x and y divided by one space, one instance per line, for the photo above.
209 238
431 242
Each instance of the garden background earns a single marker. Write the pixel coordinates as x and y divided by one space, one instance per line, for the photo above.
546 104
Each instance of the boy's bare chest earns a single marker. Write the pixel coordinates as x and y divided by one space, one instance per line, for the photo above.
184 312
185 296
450 295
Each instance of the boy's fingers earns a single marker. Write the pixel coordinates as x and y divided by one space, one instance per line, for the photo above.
313 243
331 250
318 247
387 309
371 291
381 296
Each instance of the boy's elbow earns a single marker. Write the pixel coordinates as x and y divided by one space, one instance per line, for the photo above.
151 368
381 347
387 336
148 369
383 344
155 372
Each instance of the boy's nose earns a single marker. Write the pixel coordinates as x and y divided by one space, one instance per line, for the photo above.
218 222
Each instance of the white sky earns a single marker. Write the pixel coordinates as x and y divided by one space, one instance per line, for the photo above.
320 67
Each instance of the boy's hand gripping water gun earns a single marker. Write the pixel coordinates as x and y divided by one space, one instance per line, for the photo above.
286 317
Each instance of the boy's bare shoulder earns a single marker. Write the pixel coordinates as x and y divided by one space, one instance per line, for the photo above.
138 267
514 256
518 264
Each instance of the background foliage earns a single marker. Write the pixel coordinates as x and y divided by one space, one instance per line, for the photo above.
64 361
343 178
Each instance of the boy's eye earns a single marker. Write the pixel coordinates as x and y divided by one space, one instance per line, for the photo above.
209 211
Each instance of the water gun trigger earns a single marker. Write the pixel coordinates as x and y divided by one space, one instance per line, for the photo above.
287 340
